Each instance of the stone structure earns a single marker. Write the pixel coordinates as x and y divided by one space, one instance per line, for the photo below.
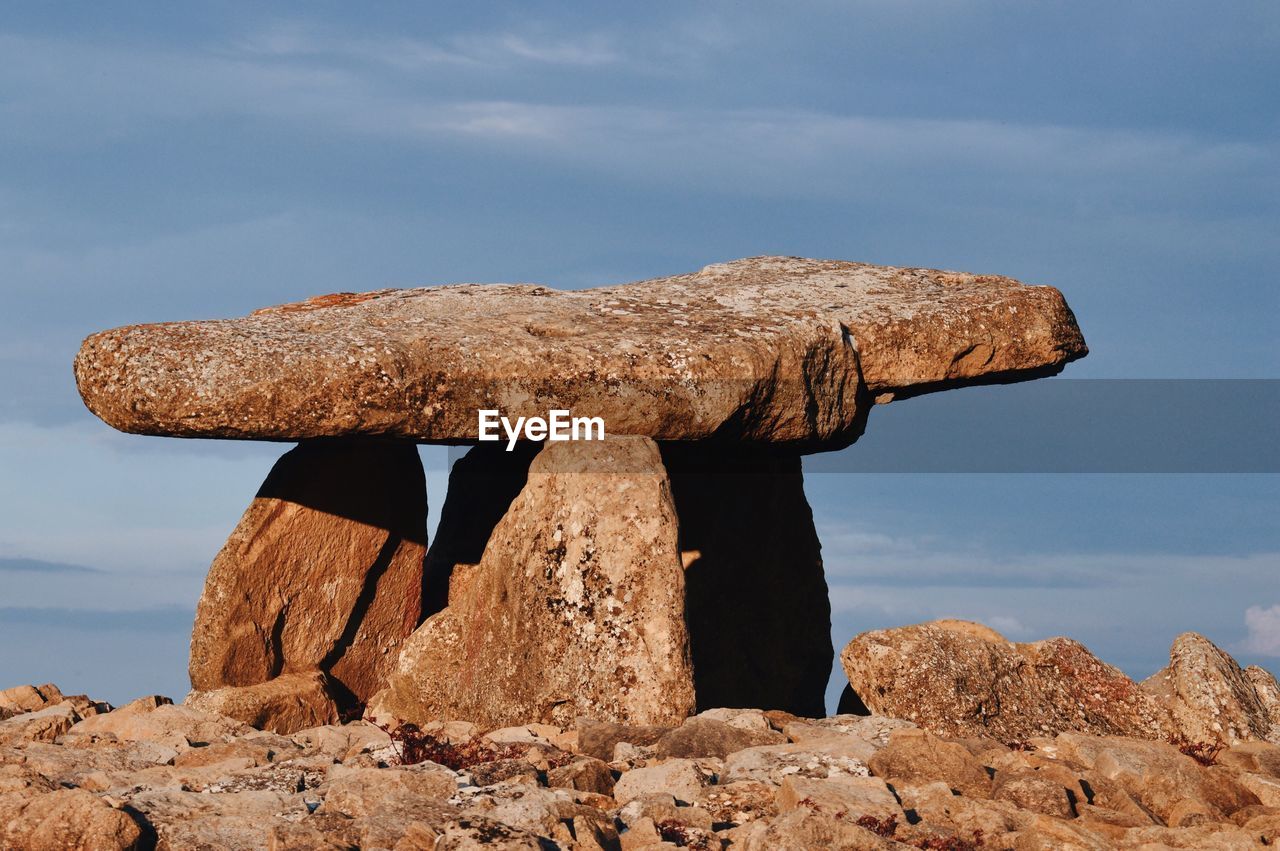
673 569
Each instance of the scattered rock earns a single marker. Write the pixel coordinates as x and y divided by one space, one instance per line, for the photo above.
773 763
155 719
21 699
323 573
576 607
65 819
850 798
600 738
734 803
702 737
683 779
916 757
343 741
585 773
42 725
963 679
173 777
285 704
1031 790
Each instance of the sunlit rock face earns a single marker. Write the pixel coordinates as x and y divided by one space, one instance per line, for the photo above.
767 349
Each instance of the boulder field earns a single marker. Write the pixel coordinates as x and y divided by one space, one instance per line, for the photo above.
670 568
76 773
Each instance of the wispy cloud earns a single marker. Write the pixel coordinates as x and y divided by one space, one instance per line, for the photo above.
10 564
166 619
483 50
309 80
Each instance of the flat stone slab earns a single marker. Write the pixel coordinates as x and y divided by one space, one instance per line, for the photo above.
774 349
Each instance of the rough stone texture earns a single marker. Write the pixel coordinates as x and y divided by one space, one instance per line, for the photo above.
28 698
65 819
963 679
824 760
1267 689
122 787
599 738
918 757
576 607
1210 697
286 704
680 778
768 348
324 572
701 737
756 606
848 798
42 725
155 719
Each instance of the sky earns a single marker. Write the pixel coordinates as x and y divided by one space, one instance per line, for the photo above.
180 161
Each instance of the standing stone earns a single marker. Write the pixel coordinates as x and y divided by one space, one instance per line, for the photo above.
575 608
757 607
324 572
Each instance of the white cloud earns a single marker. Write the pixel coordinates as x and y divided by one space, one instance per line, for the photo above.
1264 630
376 89
477 50
1007 625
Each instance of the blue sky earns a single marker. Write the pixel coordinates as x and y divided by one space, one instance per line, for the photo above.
166 161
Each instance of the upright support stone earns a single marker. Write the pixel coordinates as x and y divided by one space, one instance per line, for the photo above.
757 607
323 573
575 608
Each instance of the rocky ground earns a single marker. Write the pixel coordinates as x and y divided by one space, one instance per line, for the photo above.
75 773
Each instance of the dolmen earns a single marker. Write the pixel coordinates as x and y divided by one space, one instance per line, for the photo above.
670 567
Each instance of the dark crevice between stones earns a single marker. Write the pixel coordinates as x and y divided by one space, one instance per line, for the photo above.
850 703
482 485
275 651
756 603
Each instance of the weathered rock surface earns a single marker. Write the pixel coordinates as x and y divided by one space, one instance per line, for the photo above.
157 720
1211 698
756 605
65 819
575 608
963 679
286 704
768 348
171 777
324 572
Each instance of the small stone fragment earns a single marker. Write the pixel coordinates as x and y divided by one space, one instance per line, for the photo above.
285 704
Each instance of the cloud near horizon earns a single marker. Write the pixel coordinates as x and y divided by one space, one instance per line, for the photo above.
1264 630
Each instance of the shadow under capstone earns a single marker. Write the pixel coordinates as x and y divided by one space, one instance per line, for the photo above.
756 605
756 601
